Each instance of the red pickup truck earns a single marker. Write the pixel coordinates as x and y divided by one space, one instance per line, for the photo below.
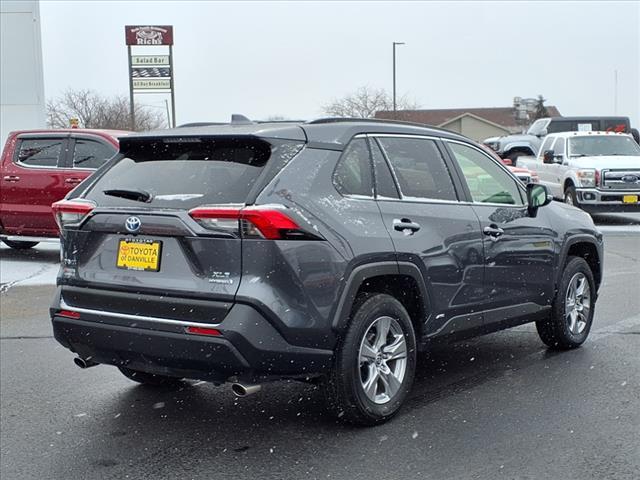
39 167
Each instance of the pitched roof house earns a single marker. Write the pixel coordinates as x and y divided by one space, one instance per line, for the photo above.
476 123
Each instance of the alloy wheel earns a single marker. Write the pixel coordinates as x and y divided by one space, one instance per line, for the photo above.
577 303
382 360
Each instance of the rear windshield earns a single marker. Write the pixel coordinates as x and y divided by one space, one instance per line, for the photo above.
190 172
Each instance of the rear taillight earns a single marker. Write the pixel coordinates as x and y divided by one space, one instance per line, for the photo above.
254 222
71 212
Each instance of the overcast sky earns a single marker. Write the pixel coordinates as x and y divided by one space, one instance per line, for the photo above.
290 58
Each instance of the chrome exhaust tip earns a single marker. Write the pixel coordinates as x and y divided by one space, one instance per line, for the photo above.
84 363
241 390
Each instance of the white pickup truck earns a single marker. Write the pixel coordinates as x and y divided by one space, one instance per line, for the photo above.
596 171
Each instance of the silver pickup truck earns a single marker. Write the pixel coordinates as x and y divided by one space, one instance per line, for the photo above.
596 171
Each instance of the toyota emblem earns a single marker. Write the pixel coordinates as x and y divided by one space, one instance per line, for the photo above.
133 224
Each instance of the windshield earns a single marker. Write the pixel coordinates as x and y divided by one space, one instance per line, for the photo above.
599 145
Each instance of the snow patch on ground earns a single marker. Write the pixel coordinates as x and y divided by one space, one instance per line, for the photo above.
36 266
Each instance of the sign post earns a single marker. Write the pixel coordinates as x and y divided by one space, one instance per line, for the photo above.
150 73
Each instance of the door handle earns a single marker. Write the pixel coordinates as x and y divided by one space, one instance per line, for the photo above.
494 231
11 178
73 180
405 225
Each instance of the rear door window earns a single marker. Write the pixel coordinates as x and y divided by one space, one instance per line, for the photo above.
91 153
185 173
41 152
419 168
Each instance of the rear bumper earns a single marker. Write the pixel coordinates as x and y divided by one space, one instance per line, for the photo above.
27 238
594 200
249 347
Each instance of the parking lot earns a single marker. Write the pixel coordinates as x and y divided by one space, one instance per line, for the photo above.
499 406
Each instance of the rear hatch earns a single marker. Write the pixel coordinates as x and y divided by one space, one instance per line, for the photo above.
142 251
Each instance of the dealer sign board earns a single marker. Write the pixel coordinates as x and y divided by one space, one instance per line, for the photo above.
153 72
149 35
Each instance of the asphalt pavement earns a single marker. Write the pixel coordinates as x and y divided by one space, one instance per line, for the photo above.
497 407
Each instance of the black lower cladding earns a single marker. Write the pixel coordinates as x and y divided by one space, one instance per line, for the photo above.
249 347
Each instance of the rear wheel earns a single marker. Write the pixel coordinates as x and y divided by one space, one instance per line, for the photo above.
572 311
374 363
150 378
20 245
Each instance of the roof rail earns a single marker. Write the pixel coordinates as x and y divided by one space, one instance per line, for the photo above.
374 120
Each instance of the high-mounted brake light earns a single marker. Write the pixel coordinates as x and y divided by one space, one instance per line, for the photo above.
261 222
70 212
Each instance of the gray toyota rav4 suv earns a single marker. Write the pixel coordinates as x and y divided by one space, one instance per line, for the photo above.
331 251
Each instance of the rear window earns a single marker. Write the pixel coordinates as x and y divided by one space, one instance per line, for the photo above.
43 152
191 171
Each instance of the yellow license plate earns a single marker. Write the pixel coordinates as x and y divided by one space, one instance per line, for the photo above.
141 255
630 199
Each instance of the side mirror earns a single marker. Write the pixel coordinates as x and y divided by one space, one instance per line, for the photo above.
548 156
542 133
538 195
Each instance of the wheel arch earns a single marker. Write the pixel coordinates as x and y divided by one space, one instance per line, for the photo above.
402 280
568 182
585 247
517 147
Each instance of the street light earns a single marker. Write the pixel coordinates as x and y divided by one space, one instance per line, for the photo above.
394 73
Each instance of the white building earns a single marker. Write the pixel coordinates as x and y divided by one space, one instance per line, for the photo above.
21 80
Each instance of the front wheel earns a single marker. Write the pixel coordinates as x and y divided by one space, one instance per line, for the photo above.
570 197
572 311
375 362
20 245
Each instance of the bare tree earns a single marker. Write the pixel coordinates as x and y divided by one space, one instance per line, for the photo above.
365 102
96 111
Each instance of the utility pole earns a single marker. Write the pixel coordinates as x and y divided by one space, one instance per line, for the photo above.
166 104
615 92
394 73
132 110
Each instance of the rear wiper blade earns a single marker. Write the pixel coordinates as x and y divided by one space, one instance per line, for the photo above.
137 195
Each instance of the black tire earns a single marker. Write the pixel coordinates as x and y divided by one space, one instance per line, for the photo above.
150 378
513 156
570 197
556 331
344 387
20 245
